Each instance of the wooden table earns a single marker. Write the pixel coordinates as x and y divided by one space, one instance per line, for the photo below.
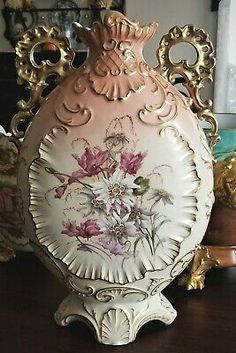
29 295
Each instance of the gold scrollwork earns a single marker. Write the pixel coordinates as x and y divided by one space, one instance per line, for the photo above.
195 76
225 181
195 276
36 75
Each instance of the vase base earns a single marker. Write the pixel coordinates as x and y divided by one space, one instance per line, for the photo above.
115 322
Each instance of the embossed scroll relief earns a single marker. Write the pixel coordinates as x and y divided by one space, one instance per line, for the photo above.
116 180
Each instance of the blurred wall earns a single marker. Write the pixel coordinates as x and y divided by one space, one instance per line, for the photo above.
169 13
166 12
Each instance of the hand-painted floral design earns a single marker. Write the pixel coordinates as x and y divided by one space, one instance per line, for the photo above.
114 200
59 191
87 230
115 248
89 202
116 142
143 183
160 194
116 191
130 162
140 215
91 163
118 229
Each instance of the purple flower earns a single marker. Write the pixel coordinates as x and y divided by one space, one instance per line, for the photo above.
130 162
87 230
91 163
59 191
77 175
115 248
60 177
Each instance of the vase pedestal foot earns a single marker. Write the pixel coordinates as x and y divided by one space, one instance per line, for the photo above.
115 322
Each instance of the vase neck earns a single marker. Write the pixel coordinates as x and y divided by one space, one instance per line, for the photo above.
115 62
117 36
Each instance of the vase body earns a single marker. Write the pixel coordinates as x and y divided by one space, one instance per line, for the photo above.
116 180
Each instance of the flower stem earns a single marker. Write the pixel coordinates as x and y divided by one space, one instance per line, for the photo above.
54 172
148 238
89 246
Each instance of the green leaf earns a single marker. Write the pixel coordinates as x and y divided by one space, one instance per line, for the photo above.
143 183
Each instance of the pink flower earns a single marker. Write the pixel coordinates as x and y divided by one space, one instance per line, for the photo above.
59 191
115 248
60 177
86 230
91 163
70 228
77 175
130 162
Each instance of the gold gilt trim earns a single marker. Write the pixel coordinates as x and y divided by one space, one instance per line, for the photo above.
195 275
196 75
36 75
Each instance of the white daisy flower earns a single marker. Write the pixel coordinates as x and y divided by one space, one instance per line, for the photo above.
90 204
140 215
116 192
161 194
118 229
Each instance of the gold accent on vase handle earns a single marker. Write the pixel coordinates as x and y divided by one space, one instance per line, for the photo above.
35 75
195 75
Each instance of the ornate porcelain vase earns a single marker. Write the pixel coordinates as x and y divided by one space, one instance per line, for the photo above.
116 180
